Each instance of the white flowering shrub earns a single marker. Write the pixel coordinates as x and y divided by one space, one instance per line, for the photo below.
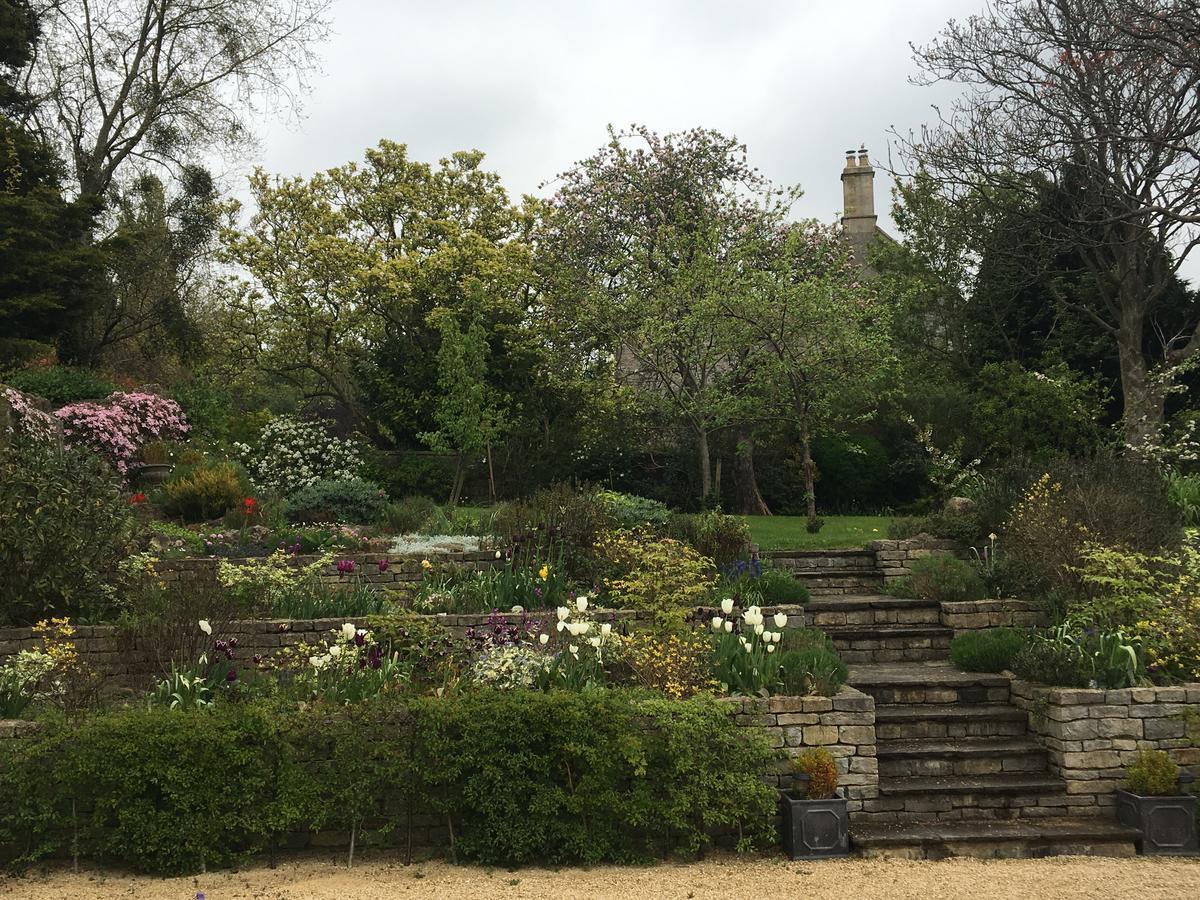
291 454
510 666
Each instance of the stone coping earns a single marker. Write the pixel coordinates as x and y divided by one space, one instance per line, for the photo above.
1187 694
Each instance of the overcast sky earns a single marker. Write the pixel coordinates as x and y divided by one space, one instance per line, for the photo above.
533 83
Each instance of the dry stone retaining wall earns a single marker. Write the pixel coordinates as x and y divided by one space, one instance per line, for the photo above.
1092 735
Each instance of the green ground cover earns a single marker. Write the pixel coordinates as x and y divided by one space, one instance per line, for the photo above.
789 533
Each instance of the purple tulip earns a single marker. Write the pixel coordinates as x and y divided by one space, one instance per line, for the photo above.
231 676
383 566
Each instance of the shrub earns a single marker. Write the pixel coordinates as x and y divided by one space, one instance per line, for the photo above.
1068 659
723 539
805 638
291 453
204 492
678 665
61 384
814 524
632 511
117 427
853 472
1184 494
1102 500
662 577
558 523
1153 774
350 500
821 768
771 585
942 577
812 670
966 528
989 650
64 529
408 515
522 777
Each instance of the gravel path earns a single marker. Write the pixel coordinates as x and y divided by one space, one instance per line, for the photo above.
1063 878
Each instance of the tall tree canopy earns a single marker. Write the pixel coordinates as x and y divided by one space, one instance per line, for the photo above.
643 241
1095 101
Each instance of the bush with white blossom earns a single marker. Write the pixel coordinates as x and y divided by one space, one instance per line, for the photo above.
292 453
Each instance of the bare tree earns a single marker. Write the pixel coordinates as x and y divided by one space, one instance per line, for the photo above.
121 81
1100 99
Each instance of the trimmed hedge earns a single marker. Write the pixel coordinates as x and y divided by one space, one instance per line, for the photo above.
989 650
523 777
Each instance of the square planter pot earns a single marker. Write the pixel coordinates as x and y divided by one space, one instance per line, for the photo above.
814 829
1167 824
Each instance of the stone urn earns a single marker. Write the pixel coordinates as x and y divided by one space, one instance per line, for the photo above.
153 474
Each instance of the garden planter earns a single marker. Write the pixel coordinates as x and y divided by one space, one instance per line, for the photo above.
813 829
1167 824
151 474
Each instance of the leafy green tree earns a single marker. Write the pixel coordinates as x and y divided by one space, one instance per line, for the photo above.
643 241
50 272
355 269
1097 100
820 336
469 413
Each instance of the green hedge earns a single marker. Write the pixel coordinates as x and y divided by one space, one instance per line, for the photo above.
524 777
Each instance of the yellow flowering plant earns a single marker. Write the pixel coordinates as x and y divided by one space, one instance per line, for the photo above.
661 576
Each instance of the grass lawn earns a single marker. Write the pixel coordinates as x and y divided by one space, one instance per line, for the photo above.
788 532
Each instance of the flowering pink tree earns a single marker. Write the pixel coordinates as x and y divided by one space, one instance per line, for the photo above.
121 424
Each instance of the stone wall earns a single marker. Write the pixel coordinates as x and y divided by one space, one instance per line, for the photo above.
1091 735
402 575
973 615
844 725
894 558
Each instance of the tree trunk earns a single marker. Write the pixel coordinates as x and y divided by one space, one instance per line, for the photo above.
1143 399
749 500
460 475
705 463
491 475
810 472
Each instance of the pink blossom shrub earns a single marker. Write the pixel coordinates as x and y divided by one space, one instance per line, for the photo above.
119 425
29 419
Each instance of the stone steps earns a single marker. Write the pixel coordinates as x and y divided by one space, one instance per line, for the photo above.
889 643
964 756
990 838
902 722
932 683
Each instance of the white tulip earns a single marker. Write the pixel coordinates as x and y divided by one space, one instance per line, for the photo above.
716 623
728 627
561 625
205 627
316 661
574 650
749 649
497 554
727 605
581 602
595 642
543 639
780 620
606 629
562 613
348 630
770 648
518 609
758 629
335 650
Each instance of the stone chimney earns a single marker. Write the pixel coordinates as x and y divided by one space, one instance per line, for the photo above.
858 202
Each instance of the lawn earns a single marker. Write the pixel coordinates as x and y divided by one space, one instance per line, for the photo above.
789 533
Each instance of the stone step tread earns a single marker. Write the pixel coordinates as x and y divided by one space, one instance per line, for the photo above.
859 602
1095 829
885 630
931 675
948 712
818 554
959 747
1015 783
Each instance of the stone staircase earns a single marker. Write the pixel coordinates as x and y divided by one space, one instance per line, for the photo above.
831 572
959 773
